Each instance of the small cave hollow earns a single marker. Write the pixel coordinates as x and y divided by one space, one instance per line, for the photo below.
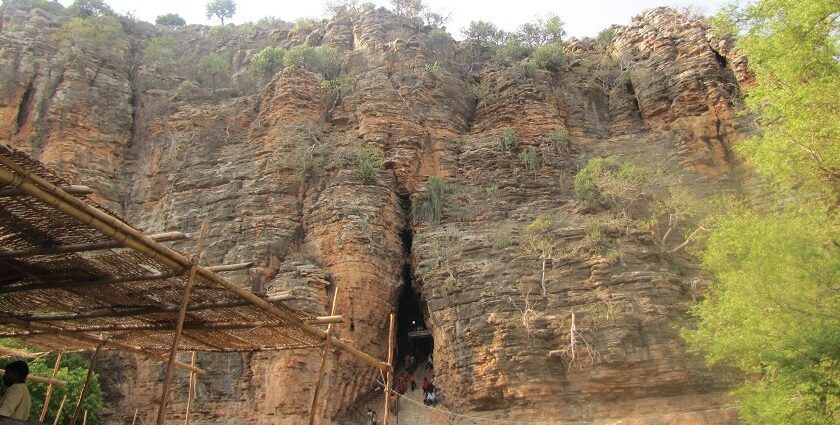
413 337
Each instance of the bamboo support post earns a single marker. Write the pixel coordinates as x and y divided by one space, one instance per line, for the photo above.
313 407
190 391
231 267
389 374
40 379
179 327
84 418
85 247
11 352
134 419
48 395
86 385
38 187
60 408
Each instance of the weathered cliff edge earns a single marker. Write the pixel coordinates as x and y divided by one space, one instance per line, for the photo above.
234 160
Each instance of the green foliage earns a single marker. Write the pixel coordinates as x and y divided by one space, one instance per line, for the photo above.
439 40
773 313
311 161
368 164
408 8
509 139
606 35
342 6
222 9
102 36
512 51
543 31
73 370
186 90
160 53
434 69
90 8
269 60
492 191
170 20
550 57
429 206
559 140
214 68
338 85
608 182
304 25
793 49
772 310
501 242
484 33
531 160
322 59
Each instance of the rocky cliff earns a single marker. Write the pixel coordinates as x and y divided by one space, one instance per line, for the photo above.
269 164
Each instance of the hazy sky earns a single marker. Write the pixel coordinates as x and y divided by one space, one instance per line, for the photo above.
583 18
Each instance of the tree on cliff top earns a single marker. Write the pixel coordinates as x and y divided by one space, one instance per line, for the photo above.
772 311
221 9
88 8
170 20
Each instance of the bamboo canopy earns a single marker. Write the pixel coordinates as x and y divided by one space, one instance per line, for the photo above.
120 288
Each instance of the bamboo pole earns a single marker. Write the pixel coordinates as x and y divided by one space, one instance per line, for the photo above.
93 340
86 385
313 407
60 408
86 247
134 419
40 379
179 327
389 374
48 395
11 352
144 310
72 189
50 194
190 390
84 418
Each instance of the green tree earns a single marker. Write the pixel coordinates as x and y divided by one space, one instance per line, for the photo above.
772 310
322 59
170 20
101 36
90 8
221 9
608 182
215 67
269 60
73 370
160 53
544 30
484 33
408 8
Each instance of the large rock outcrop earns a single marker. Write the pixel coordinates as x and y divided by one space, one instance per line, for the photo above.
269 164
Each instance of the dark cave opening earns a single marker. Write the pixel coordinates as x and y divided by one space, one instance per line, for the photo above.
413 337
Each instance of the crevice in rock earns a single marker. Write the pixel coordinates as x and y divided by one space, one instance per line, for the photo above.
25 105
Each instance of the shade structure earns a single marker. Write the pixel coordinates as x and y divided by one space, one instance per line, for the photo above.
129 294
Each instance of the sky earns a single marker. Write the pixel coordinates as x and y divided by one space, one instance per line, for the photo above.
583 18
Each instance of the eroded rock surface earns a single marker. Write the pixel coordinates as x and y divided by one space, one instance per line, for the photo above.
269 164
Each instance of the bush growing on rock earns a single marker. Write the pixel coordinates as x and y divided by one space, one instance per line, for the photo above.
606 182
483 33
322 60
102 36
550 57
90 8
269 60
512 51
368 164
214 68
439 40
170 20
509 139
429 207
531 160
160 53
186 90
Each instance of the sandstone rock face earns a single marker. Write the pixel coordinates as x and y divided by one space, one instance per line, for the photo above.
270 165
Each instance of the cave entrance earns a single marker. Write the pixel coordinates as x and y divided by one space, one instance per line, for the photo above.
413 336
